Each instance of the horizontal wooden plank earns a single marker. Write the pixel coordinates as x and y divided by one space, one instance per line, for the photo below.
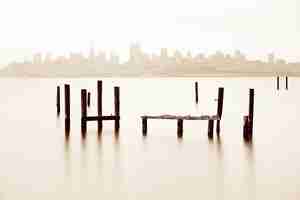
96 118
183 117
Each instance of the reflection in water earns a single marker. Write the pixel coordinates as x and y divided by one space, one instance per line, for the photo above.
220 169
250 169
67 159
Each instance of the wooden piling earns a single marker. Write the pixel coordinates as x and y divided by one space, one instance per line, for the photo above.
89 99
117 108
67 101
210 129
196 92
247 129
99 105
144 124
251 109
220 108
179 128
67 108
286 83
58 100
277 82
83 112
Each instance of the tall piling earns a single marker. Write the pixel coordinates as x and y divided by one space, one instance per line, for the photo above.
251 109
58 100
117 108
83 112
277 82
196 92
67 108
286 83
220 108
179 128
99 105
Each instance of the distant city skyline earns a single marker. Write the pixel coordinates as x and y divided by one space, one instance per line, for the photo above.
137 55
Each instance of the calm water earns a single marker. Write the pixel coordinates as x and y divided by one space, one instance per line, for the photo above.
37 162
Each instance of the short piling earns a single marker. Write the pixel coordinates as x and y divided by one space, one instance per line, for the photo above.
144 124
67 108
277 82
58 100
89 99
83 112
117 108
286 83
99 105
196 92
210 129
220 108
179 128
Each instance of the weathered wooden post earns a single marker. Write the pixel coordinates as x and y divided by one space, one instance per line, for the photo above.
196 92
99 105
210 128
67 108
117 108
89 99
83 112
220 108
58 100
248 120
286 83
179 128
277 82
144 124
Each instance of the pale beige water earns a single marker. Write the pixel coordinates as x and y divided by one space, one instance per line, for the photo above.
37 163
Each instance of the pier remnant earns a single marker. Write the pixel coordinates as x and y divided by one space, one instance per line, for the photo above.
58 100
210 129
196 92
277 82
179 128
248 120
220 108
286 83
89 99
67 108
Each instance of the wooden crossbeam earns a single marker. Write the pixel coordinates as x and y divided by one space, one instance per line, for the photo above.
183 117
96 118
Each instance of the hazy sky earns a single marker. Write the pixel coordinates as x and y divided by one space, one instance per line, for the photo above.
257 27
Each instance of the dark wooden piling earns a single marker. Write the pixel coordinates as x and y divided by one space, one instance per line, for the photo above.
196 92
220 108
286 83
67 108
179 128
277 82
144 124
117 108
83 112
99 105
89 99
210 129
58 100
247 129
251 108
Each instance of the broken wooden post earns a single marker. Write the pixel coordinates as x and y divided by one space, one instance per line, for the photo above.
277 82
83 112
251 108
89 99
58 100
210 129
286 83
144 124
196 92
117 108
67 108
220 108
179 128
99 104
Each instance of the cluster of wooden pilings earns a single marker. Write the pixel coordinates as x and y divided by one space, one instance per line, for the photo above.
85 102
286 82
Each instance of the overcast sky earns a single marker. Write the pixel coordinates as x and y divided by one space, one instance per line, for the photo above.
256 27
